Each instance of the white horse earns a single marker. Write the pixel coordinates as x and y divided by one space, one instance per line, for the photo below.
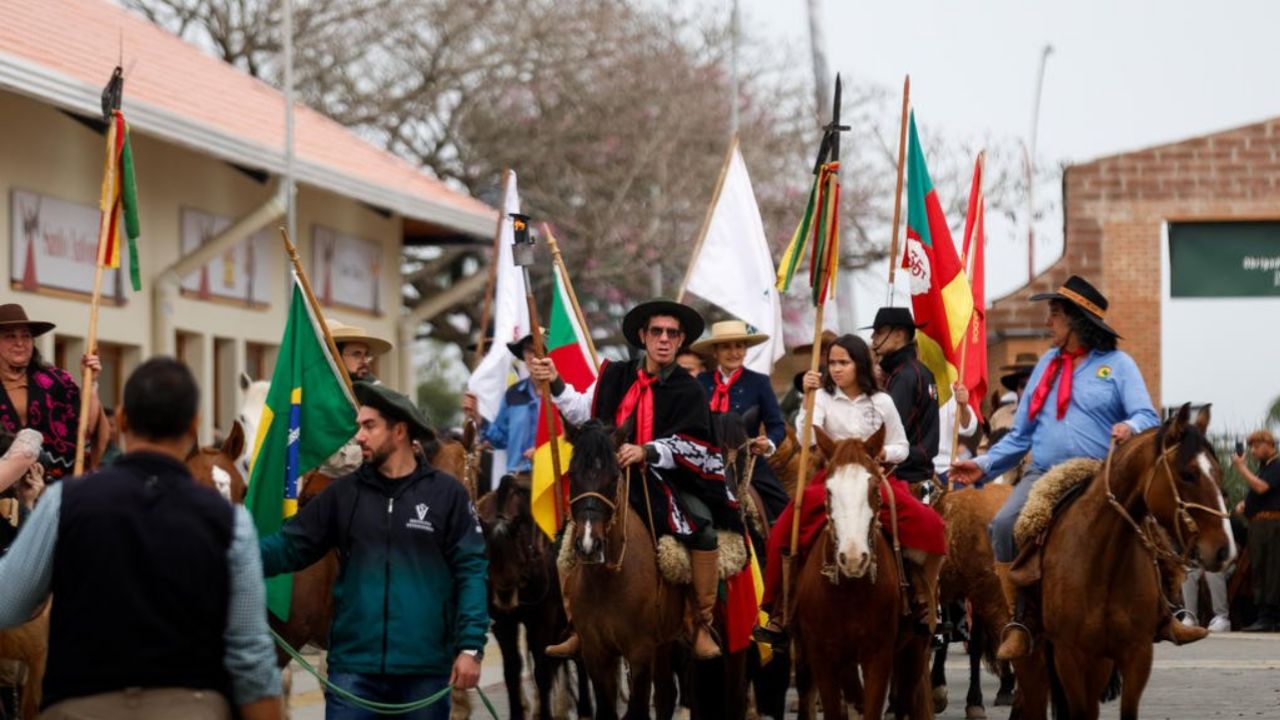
255 401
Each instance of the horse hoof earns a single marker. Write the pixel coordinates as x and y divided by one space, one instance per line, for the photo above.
1004 699
939 698
975 712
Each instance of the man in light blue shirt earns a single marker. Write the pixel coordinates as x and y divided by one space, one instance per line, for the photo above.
1082 393
515 427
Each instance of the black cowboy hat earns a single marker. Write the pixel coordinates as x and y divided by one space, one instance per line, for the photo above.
690 321
517 348
1077 291
893 317
395 407
1019 369
12 314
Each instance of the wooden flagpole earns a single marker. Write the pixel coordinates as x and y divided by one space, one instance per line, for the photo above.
487 312
315 307
706 220
806 436
573 297
897 195
548 407
109 182
965 264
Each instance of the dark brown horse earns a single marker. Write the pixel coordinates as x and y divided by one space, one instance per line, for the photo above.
1101 598
524 590
623 609
853 566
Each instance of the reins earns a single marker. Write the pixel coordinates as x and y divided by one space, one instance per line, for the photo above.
617 506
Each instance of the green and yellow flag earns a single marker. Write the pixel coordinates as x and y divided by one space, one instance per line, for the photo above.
310 413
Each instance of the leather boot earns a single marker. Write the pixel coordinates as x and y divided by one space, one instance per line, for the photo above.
924 591
1015 641
1178 632
705 568
571 645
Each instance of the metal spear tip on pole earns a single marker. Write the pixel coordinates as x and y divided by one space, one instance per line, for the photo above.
522 245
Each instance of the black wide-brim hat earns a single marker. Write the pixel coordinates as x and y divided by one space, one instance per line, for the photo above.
635 321
517 348
1077 291
893 317
395 407
1021 367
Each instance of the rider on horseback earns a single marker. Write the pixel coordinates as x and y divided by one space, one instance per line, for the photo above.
669 440
1100 395
357 350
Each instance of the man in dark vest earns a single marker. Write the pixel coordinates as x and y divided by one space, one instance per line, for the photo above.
671 438
158 580
913 388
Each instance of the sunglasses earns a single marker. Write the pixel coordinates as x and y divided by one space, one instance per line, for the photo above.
657 332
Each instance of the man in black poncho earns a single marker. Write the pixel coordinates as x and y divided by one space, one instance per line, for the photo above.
671 439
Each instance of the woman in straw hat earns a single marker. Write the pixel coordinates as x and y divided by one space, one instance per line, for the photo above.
39 396
733 387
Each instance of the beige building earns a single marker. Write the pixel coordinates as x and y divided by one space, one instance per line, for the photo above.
208 142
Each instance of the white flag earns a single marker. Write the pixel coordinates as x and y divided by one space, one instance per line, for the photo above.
734 267
510 316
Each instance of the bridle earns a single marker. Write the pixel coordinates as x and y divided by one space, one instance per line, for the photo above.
621 500
829 569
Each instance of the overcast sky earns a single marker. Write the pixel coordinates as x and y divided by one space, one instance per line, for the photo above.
1123 76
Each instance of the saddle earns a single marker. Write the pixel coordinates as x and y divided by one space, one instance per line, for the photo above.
1053 492
673 558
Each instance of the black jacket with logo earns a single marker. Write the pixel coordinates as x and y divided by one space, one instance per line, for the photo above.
915 393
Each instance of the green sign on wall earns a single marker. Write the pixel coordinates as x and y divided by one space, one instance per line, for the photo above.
1224 259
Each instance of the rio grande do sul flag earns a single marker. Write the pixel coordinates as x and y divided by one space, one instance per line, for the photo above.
309 414
567 345
973 257
940 296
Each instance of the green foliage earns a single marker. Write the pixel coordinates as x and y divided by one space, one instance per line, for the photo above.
440 383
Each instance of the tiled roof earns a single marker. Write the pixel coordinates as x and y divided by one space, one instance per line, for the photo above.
62 52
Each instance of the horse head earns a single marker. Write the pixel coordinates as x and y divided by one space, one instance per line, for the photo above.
255 400
853 499
218 468
516 553
731 433
593 486
1183 490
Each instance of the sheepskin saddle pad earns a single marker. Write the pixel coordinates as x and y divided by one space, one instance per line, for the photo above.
673 558
1050 490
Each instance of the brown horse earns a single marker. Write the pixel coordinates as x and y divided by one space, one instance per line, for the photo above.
622 607
968 577
848 598
1101 598
28 643
216 467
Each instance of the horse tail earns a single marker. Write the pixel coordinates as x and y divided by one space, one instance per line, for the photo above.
1114 686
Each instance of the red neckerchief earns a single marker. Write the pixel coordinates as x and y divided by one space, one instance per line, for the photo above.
720 398
639 399
1063 362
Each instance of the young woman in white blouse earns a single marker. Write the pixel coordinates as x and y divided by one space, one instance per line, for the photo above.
848 403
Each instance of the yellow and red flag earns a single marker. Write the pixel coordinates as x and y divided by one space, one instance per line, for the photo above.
973 257
941 299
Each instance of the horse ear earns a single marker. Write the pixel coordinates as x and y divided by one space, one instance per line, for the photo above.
825 444
1202 419
245 380
469 431
233 446
875 443
623 434
1178 424
751 420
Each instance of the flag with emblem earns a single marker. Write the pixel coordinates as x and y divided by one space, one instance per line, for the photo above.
940 296
309 414
567 345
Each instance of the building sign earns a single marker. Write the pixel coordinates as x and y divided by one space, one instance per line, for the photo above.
346 271
54 247
1224 259
244 274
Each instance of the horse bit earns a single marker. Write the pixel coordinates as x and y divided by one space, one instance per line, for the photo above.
613 505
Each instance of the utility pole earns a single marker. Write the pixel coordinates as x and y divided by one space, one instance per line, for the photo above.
291 221
821 76
1029 160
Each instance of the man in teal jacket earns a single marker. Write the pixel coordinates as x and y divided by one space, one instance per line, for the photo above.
410 603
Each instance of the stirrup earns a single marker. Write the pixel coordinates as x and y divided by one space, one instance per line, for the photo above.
1015 625
766 634
1182 615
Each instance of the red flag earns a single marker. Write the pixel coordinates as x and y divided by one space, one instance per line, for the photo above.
973 258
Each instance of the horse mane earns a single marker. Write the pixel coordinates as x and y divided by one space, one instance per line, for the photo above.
593 449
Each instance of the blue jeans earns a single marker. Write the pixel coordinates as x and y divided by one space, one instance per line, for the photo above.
387 689
1001 528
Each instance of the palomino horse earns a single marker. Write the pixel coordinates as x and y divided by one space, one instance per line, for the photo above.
851 566
622 607
1101 597
968 577
524 590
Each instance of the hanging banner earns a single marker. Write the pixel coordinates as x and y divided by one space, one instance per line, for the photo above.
54 247
346 271
245 274
1224 259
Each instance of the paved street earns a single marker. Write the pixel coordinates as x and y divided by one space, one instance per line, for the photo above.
1224 676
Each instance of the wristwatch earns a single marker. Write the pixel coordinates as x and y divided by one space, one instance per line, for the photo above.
478 655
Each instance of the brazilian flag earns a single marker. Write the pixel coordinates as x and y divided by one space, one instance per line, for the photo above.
310 413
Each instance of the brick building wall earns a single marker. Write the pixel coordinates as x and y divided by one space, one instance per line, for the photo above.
1115 209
